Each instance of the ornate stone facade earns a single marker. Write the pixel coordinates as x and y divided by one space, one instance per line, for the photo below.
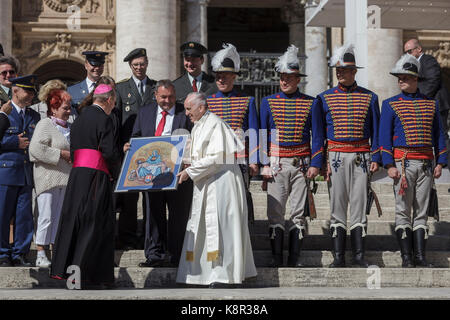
48 30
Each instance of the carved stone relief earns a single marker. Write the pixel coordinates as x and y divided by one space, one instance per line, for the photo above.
62 5
442 54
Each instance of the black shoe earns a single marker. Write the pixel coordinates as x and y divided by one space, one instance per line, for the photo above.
276 235
405 241
339 247
295 245
5 262
21 261
358 248
419 249
151 263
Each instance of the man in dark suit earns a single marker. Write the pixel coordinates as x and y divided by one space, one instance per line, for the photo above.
5 110
16 180
430 80
94 65
194 79
8 70
132 93
164 239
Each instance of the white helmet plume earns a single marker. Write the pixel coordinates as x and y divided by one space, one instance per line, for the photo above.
226 59
288 62
407 64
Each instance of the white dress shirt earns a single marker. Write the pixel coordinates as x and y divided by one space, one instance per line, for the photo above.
18 109
199 80
90 84
169 120
137 82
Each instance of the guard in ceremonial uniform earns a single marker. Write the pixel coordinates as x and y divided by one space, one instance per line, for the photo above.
238 111
350 114
94 65
16 180
410 128
287 118
194 80
132 94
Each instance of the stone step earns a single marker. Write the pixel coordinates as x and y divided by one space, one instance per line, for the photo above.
309 258
323 213
317 227
267 277
372 242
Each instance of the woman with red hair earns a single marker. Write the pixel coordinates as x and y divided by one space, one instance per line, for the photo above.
49 150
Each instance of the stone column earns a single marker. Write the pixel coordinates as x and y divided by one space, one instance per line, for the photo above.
6 26
150 24
385 48
293 14
316 54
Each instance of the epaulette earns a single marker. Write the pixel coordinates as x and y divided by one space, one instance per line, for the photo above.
123 80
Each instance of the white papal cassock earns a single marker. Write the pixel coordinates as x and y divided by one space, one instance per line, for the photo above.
217 244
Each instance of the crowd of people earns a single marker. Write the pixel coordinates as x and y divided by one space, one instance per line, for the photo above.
69 147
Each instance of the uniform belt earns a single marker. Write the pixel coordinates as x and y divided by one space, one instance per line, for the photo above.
403 153
301 150
421 153
349 146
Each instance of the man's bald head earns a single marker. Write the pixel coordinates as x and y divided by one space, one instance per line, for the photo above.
413 47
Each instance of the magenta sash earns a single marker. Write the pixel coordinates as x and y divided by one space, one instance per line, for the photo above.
90 158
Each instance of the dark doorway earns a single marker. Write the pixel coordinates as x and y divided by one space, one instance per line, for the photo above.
260 36
67 71
248 29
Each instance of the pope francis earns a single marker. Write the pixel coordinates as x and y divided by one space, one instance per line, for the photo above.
216 248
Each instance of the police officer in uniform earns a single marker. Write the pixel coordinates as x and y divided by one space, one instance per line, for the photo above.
194 80
350 115
287 117
410 127
8 70
16 180
94 65
238 110
132 94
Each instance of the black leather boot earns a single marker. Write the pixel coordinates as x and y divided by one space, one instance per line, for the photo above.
295 245
358 248
419 249
405 247
339 247
276 242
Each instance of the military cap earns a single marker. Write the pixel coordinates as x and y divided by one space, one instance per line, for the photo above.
95 58
344 57
1 50
25 82
136 53
193 49
407 64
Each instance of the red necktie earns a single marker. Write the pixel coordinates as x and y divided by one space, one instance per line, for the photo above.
161 124
194 85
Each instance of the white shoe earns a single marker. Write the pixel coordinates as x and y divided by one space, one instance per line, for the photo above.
42 262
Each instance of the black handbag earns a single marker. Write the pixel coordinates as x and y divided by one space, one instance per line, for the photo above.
433 207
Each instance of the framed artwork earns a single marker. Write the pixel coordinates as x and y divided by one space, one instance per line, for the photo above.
152 163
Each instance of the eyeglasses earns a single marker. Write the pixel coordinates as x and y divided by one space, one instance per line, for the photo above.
4 73
410 50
